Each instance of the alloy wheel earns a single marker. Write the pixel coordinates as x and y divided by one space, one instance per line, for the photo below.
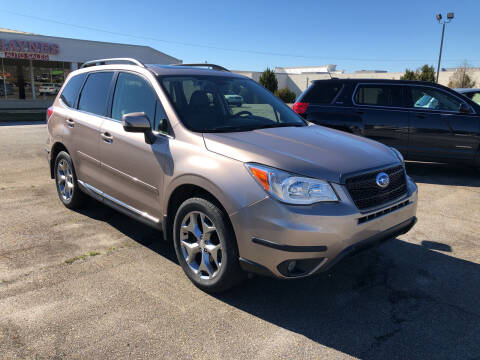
200 245
65 179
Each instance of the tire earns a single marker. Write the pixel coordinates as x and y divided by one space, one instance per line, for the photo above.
210 262
66 182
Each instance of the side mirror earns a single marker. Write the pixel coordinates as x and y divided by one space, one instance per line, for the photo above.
138 122
464 109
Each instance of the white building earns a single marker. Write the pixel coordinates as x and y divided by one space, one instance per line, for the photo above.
322 69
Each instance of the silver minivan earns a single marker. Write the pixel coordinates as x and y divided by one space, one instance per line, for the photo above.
238 189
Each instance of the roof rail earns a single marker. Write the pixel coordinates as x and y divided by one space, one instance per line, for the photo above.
212 66
112 60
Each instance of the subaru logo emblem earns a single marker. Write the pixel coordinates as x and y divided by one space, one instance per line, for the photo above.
382 180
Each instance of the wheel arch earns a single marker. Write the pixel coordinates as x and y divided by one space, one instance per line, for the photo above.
56 148
182 192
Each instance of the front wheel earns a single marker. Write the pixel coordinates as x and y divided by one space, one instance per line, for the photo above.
206 246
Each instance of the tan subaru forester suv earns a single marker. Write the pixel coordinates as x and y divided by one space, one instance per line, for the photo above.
238 181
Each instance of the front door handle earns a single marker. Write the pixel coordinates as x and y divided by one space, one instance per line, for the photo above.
70 123
107 137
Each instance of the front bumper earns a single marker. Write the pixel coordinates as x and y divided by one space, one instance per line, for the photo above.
271 234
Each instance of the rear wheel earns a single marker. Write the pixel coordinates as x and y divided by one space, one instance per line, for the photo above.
206 246
66 180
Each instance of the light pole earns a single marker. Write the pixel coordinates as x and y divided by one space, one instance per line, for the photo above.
443 22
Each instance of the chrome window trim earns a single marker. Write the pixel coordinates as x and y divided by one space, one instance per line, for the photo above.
410 108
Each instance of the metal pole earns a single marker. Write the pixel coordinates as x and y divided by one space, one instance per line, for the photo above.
440 55
32 80
4 81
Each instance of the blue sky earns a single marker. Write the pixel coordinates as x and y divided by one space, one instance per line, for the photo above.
251 35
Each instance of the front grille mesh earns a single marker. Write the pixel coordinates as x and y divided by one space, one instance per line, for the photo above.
366 193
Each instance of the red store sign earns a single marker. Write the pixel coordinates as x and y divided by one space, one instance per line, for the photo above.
28 50
25 56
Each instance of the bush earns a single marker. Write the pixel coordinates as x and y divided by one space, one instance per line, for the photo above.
425 73
462 77
287 95
268 80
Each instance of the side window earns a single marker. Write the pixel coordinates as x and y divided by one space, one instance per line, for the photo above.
433 99
322 92
93 98
379 95
161 122
70 92
133 94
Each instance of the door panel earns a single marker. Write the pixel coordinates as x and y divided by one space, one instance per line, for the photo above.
388 126
81 138
384 119
437 130
131 169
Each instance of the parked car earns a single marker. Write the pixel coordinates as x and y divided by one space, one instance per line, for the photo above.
233 99
472 94
5 88
424 121
49 89
251 191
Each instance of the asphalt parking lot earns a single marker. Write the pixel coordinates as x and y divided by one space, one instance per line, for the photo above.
96 284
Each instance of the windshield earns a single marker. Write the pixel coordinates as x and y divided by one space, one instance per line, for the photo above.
226 104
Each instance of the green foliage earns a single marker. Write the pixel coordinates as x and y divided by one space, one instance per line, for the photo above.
268 80
462 78
286 95
425 73
409 75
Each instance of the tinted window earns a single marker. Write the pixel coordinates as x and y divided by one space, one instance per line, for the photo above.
380 95
70 92
474 96
226 104
322 92
430 98
95 93
133 94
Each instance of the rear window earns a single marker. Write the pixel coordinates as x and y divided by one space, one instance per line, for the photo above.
70 92
95 93
322 92
379 95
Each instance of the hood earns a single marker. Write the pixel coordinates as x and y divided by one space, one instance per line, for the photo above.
312 151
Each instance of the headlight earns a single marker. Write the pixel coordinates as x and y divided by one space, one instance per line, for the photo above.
289 188
398 154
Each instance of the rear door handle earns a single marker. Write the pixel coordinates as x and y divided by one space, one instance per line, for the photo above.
70 123
107 137
421 116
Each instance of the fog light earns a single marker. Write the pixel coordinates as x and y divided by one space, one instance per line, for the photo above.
291 266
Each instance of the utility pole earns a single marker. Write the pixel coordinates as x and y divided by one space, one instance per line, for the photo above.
443 22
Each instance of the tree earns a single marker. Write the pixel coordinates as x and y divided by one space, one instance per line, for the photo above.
409 75
425 73
268 80
286 95
462 77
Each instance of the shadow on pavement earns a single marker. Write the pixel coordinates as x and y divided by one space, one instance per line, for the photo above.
399 301
142 234
443 174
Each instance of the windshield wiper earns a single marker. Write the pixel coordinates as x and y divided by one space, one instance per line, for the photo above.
252 127
230 129
275 125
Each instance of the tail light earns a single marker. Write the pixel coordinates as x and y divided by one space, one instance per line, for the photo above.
300 108
49 112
